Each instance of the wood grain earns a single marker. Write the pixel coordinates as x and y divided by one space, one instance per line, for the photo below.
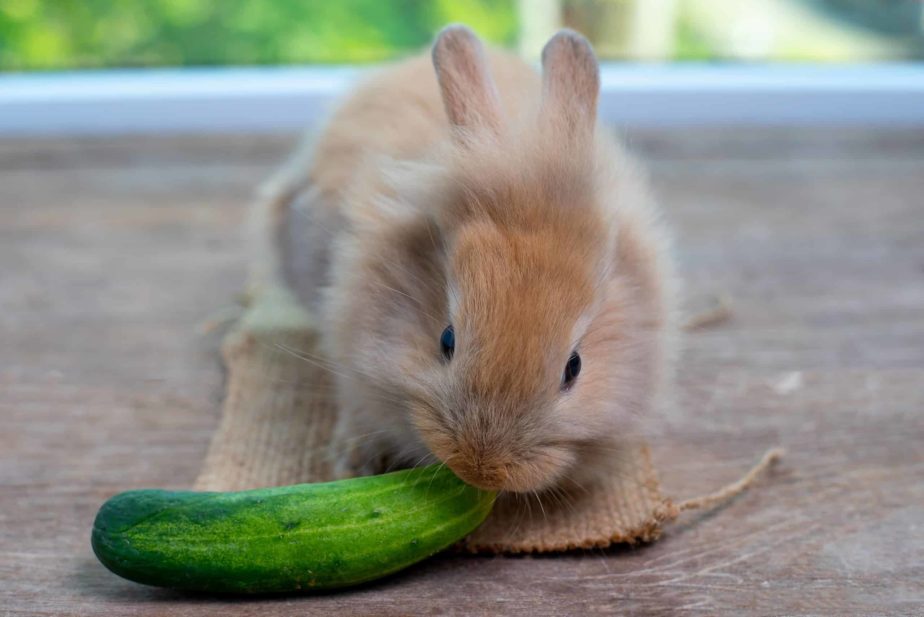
118 254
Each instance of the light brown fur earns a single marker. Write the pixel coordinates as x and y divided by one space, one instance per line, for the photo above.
506 211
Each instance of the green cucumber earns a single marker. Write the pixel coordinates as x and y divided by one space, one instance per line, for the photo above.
307 536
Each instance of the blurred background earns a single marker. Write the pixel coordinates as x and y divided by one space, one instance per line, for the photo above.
93 67
42 35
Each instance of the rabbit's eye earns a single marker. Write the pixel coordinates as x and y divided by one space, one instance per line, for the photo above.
572 369
448 341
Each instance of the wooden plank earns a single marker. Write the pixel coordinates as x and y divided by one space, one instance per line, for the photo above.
116 254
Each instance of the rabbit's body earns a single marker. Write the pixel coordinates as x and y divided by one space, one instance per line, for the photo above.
432 202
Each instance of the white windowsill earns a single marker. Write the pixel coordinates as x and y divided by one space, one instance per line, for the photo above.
287 99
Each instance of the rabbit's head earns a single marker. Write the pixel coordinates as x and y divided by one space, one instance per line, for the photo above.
522 381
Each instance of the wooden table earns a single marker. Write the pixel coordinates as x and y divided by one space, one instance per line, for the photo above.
119 255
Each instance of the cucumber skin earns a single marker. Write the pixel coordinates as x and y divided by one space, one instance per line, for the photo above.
302 537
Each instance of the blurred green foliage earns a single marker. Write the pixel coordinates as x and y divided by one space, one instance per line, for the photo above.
66 34
72 34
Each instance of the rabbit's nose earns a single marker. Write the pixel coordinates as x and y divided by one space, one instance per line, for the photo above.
492 476
483 474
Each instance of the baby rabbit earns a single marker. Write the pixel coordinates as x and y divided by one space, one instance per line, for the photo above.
493 286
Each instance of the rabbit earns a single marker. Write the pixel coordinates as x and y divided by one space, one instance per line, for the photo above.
492 280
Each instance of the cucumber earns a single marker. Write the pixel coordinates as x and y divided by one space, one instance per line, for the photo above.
307 536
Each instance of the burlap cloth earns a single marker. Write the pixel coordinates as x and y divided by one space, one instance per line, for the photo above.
278 414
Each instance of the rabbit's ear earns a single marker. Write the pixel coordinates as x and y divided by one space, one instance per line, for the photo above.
469 94
570 84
